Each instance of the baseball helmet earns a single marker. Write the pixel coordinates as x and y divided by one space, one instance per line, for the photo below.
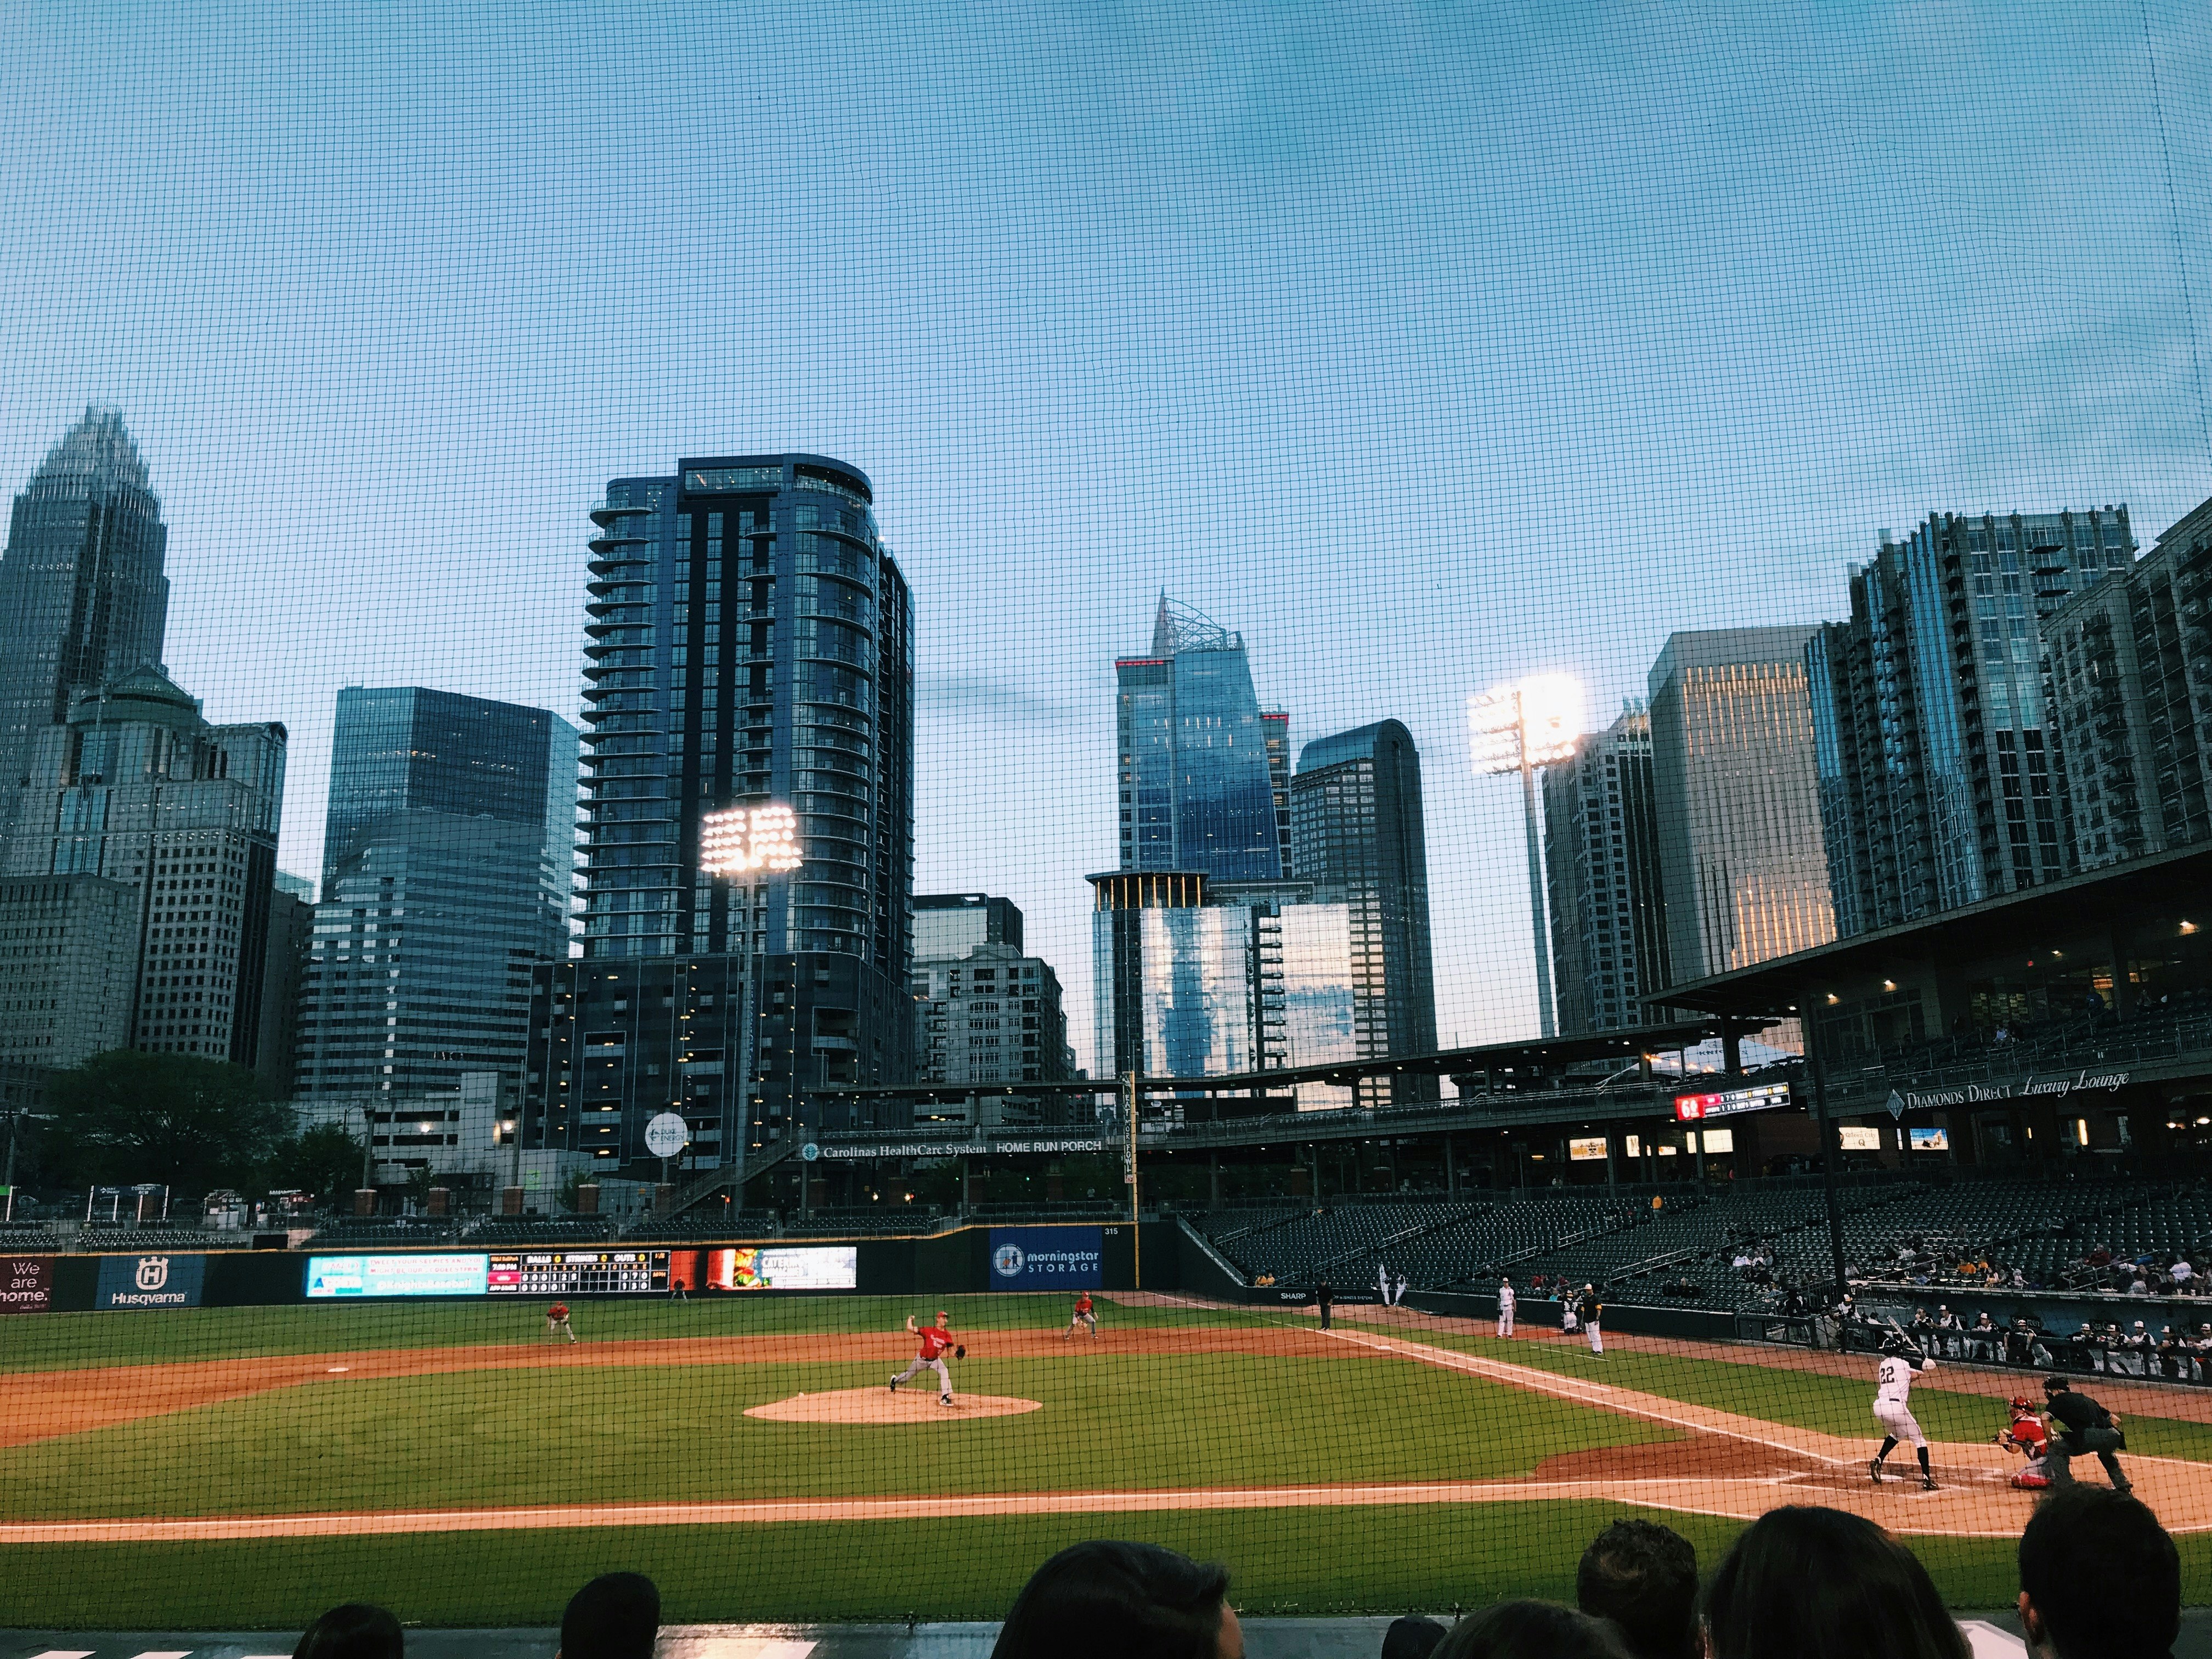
2020 1403
1892 1344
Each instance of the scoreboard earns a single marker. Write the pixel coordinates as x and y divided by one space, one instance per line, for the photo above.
578 1272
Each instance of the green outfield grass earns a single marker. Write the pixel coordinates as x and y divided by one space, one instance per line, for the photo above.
677 1433
1808 1400
1284 1561
65 1342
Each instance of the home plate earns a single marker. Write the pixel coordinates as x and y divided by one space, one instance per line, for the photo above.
880 1405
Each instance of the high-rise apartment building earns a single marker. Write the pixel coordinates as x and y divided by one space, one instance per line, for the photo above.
448 851
82 598
1357 836
1737 800
948 925
1197 791
137 788
2131 680
750 644
1941 780
1602 872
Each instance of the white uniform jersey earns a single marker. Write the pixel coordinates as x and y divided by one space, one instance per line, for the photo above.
1894 1380
1506 1299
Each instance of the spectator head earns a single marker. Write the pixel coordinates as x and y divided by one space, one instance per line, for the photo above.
355 1631
1643 1576
1412 1639
1817 1584
1531 1629
2098 1578
1108 1598
616 1616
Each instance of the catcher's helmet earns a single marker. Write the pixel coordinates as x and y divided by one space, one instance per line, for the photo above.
2020 1404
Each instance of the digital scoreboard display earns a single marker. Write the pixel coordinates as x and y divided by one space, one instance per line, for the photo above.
1763 1097
578 1272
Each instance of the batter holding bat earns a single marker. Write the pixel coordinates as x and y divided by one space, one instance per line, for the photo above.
1892 1389
935 1339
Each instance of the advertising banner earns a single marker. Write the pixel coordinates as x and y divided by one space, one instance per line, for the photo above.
27 1284
800 1267
150 1281
1047 1258
396 1276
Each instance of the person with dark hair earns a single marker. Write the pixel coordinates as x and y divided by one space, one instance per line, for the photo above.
1531 1629
1109 1599
616 1616
1643 1576
355 1631
1801 1583
1412 1638
2081 1424
2098 1578
1324 1299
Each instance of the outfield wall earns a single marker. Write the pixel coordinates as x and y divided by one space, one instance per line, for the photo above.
970 1260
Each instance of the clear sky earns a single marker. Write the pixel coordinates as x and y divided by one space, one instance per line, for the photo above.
1425 344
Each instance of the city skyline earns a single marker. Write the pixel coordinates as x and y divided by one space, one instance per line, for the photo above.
1073 396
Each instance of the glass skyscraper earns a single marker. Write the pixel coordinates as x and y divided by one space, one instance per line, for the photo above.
1358 836
1602 863
1197 792
448 858
748 642
82 598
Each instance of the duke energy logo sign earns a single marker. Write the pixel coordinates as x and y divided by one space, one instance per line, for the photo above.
1046 1259
150 1281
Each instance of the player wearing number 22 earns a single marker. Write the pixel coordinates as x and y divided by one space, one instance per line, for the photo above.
930 1357
1893 1388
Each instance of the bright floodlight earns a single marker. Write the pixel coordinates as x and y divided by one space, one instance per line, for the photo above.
736 840
1535 721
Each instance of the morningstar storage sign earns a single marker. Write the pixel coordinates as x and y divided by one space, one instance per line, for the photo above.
2034 1085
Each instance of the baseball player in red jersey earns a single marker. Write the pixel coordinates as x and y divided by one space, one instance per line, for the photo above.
935 1339
1082 1315
2028 1436
556 1321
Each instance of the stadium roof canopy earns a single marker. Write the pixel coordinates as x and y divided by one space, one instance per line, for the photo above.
2128 905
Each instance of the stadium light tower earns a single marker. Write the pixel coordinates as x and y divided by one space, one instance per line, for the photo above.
1519 727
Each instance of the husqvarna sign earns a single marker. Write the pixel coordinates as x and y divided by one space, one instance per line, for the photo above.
150 1281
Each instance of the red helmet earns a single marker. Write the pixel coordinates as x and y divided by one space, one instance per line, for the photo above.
2019 1405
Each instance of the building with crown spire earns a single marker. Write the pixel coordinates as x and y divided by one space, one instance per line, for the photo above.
82 598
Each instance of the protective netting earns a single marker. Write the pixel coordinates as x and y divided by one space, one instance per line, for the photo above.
810 801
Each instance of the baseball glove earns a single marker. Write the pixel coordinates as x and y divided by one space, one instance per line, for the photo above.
960 1351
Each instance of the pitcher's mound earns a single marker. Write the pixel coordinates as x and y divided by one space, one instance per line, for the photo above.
882 1405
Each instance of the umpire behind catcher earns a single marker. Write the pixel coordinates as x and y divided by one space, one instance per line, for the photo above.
2082 1425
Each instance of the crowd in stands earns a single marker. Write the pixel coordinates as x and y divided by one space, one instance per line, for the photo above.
2099 1579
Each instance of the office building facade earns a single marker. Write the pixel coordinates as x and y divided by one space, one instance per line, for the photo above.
1197 787
1737 800
448 843
750 644
1198 979
138 789
1602 874
82 597
69 968
2130 664
947 925
1358 837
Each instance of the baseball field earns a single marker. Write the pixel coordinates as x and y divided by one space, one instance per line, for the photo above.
246 1467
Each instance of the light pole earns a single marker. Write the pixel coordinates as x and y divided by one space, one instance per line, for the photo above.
733 841
1520 727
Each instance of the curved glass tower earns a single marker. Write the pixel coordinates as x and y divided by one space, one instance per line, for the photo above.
748 642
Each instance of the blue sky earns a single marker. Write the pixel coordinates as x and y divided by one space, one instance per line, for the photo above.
1425 344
